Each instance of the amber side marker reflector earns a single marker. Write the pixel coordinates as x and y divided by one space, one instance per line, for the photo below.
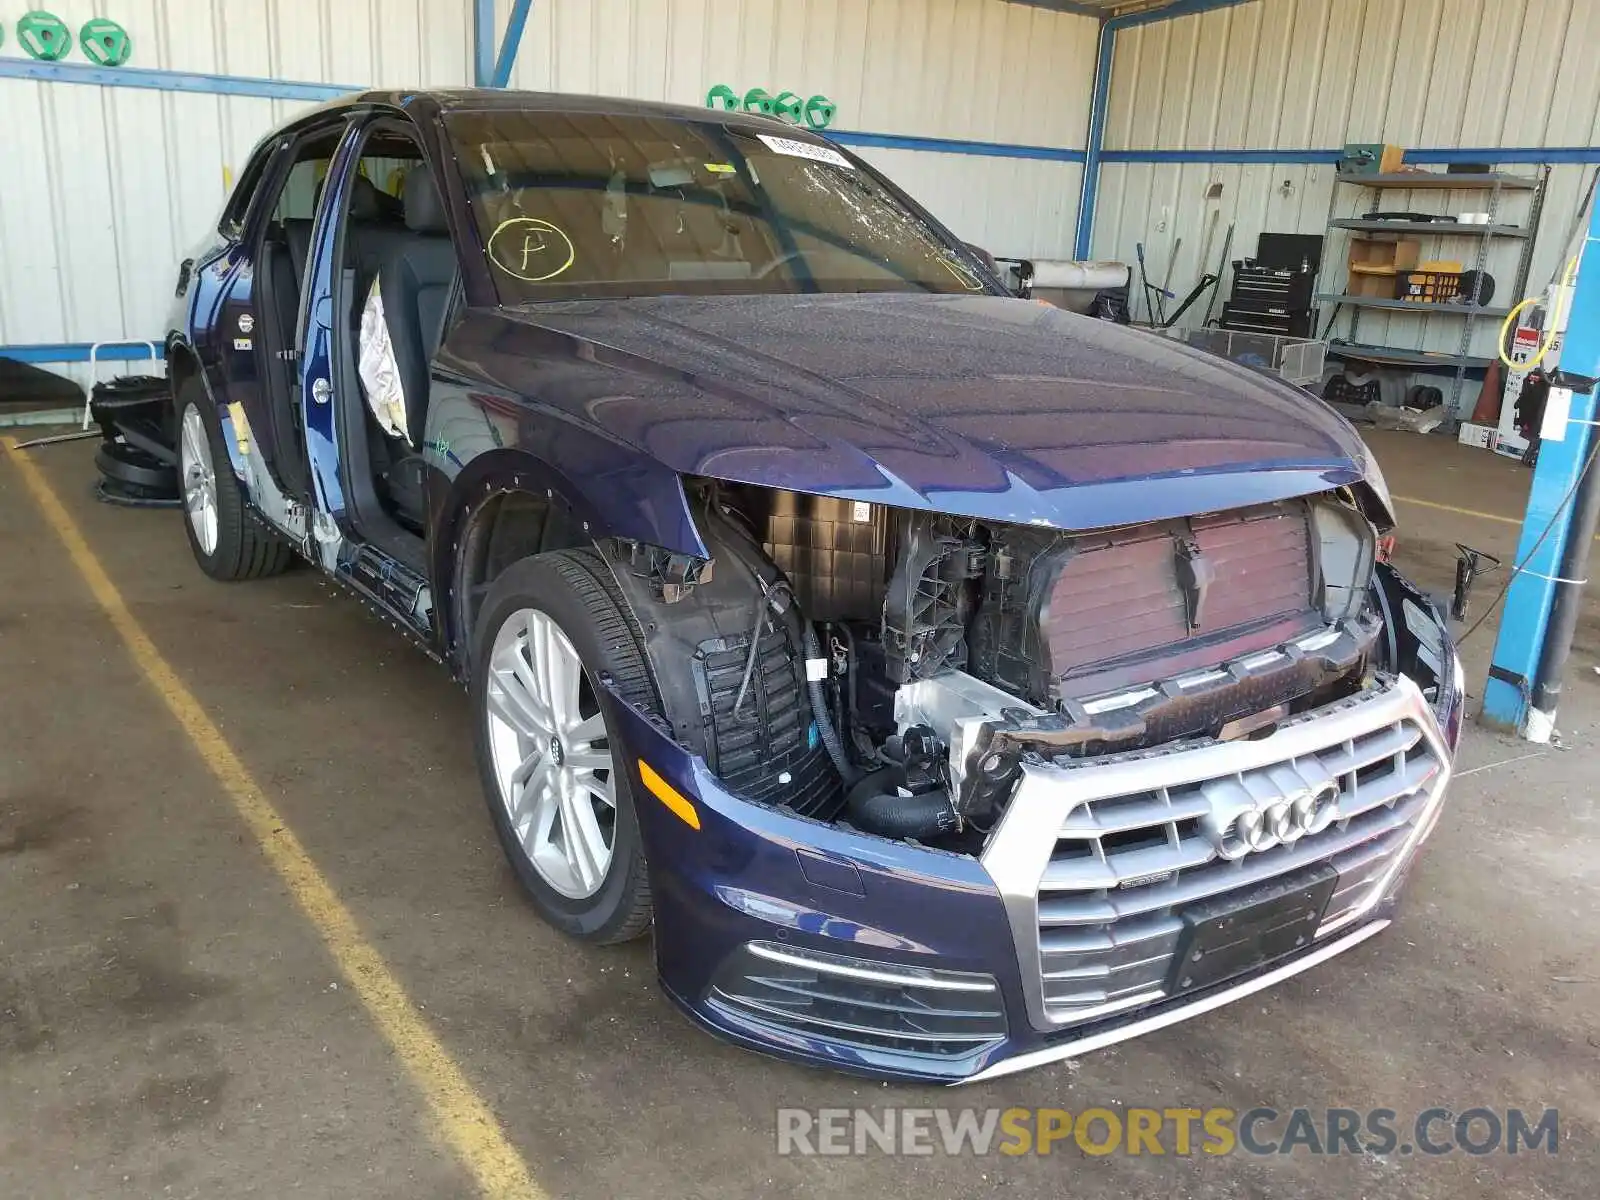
669 795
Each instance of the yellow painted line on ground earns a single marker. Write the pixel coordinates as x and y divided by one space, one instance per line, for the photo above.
1461 512
463 1117
1465 512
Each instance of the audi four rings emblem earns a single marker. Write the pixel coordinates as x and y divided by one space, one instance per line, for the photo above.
1279 822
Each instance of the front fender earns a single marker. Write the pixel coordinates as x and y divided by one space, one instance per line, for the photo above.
479 448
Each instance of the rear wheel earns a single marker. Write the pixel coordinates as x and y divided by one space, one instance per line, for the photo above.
551 765
227 541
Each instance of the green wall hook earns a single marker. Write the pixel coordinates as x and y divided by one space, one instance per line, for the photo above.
787 106
43 35
819 112
816 113
104 42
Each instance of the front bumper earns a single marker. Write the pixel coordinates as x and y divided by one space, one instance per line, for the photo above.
900 961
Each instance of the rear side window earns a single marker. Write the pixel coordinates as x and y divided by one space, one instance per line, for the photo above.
297 194
238 207
301 190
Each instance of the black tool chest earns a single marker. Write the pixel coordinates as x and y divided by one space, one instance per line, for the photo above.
1268 299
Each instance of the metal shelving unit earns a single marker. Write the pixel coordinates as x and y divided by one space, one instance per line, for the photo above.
1462 361
1435 228
1482 310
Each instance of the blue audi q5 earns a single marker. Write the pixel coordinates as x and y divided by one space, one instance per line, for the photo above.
950 683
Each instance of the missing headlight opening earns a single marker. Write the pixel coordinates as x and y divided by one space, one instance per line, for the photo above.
895 671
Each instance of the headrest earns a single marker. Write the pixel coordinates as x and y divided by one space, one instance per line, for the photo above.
364 202
424 208
367 203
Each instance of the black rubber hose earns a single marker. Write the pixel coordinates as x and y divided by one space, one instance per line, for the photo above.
923 815
819 707
850 673
750 659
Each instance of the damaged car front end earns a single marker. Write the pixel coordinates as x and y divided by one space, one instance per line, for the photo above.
1081 786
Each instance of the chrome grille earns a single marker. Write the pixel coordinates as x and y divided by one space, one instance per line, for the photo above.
1096 858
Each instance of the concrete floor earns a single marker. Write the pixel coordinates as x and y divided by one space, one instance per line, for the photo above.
171 1025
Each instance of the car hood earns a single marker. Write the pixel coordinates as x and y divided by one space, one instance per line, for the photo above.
979 406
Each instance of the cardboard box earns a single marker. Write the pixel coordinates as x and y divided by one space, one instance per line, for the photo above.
1512 445
1383 256
1376 265
1377 287
1484 437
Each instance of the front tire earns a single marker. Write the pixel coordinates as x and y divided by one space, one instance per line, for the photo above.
228 543
551 765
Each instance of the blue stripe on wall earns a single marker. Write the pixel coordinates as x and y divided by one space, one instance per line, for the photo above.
1507 154
1220 156
1498 155
892 141
170 81
77 352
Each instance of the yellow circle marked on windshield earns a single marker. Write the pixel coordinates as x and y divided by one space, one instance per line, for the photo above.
526 247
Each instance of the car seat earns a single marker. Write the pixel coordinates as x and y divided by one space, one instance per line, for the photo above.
413 288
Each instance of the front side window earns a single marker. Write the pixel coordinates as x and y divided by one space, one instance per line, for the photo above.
571 205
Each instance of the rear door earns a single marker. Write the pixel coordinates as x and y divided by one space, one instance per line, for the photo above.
228 298
260 325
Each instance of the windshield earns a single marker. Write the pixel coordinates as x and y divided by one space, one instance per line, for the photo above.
573 205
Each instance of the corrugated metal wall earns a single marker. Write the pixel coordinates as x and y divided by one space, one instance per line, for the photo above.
1295 75
946 69
107 188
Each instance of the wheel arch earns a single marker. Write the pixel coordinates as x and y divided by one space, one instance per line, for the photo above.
183 365
508 504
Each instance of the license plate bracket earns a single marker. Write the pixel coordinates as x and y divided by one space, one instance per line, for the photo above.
1244 930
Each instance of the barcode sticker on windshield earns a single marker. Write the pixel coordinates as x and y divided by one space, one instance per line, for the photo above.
795 148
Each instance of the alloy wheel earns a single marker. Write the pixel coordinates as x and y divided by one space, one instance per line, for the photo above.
199 479
551 757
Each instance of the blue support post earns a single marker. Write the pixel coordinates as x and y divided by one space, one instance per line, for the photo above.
1523 626
482 42
1097 138
1101 96
509 45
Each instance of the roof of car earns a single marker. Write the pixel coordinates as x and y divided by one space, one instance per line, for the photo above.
507 100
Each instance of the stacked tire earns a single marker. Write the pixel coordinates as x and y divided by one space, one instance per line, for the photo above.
137 458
